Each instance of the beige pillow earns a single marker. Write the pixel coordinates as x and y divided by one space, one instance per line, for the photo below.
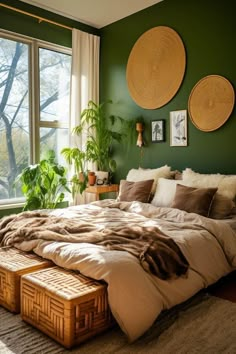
226 184
221 207
135 191
136 175
193 200
165 192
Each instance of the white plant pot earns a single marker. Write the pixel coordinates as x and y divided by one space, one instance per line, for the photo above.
102 177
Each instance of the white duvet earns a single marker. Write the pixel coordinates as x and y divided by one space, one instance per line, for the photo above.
136 297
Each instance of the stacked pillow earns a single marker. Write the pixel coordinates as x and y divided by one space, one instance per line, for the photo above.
136 175
135 191
137 185
194 200
226 184
210 195
223 202
171 193
221 207
165 192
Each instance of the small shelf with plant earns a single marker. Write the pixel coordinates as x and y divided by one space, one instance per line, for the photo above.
101 133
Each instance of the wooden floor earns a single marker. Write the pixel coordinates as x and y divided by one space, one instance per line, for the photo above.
225 288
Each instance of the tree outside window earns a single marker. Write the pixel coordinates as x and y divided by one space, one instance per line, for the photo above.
34 106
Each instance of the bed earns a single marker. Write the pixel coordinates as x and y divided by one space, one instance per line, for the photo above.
112 240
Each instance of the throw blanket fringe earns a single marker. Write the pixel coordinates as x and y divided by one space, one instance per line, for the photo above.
158 253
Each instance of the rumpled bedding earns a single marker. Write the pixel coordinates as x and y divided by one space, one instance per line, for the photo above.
136 297
157 253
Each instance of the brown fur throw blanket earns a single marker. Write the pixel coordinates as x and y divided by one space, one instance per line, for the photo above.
157 252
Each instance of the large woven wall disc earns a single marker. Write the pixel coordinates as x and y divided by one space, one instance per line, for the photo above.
156 67
211 102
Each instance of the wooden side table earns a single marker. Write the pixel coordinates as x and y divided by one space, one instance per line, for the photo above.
106 188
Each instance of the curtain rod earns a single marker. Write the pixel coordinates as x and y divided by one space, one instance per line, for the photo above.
40 19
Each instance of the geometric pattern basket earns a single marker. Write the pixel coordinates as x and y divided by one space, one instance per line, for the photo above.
13 264
65 305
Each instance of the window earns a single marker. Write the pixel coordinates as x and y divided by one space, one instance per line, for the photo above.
34 106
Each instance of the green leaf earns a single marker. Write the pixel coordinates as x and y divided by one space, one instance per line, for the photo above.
112 165
42 183
33 203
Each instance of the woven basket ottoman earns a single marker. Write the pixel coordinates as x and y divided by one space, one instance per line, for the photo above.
65 305
13 264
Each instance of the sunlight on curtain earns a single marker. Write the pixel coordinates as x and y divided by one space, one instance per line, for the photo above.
84 85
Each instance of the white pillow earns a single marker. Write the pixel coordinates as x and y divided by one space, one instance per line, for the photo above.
136 175
226 184
227 187
165 192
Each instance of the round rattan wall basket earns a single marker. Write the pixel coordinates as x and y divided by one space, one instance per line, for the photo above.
156 67
211 102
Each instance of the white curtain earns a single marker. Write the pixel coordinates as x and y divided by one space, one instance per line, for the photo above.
84 85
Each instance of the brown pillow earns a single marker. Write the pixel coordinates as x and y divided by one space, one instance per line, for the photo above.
193 200
221 207
135 191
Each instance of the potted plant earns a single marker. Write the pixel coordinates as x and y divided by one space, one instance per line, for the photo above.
91 178
43 184
100 135
77 158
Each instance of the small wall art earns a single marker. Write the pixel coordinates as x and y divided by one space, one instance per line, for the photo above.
178 128
158 130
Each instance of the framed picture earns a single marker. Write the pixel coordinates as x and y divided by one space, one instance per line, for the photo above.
158 130
178 128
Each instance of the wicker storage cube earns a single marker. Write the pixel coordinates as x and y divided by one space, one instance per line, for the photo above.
65 305
13 264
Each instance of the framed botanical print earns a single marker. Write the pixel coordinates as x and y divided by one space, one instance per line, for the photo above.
178 128
158 130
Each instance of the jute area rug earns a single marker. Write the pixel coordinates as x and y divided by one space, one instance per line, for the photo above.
204 325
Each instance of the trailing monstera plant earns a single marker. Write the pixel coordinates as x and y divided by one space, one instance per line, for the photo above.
43 184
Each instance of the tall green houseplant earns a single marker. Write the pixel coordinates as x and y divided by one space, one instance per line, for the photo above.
100 134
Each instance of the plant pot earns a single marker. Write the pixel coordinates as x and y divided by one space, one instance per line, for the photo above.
91 178
102 177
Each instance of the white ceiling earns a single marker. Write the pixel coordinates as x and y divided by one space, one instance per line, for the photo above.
96 13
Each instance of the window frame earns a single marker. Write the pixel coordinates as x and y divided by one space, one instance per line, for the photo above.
34 100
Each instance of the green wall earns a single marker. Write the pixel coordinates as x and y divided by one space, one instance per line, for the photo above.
208 33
